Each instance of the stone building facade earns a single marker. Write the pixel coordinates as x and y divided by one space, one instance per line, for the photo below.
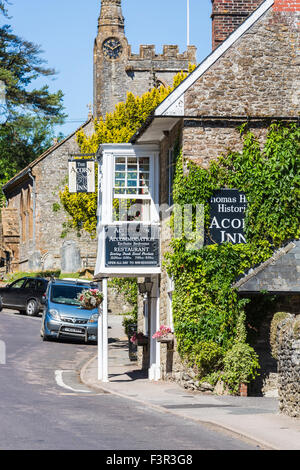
118 71
253 77
33 221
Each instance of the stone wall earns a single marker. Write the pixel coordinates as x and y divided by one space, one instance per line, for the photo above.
10 237
40 226
117 305
135 73
257 76
51 176
288 337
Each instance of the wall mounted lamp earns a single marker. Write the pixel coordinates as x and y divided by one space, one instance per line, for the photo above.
146 286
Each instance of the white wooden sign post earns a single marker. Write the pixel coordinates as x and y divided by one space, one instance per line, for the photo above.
128 224
103 337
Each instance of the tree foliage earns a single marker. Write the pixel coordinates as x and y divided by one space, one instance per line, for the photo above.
117 127
20 65
27 114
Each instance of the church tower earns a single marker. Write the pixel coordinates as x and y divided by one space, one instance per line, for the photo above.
118 71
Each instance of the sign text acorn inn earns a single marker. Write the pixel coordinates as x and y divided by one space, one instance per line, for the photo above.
227 217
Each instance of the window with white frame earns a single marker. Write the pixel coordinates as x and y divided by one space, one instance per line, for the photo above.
132 188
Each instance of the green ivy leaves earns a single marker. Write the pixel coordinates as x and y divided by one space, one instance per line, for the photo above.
206 308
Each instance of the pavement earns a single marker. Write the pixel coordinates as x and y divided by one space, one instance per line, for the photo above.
255 419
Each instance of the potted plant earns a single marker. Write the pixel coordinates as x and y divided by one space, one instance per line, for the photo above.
90 298
139 339
164 334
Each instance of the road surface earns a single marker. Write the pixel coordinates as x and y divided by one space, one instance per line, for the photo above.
45 407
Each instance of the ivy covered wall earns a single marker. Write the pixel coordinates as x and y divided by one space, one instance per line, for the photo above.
209 316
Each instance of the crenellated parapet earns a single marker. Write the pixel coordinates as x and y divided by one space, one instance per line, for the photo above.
117 70
169 52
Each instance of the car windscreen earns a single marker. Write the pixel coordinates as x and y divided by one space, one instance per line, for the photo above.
66 294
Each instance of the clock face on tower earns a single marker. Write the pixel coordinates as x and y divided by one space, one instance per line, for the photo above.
112 48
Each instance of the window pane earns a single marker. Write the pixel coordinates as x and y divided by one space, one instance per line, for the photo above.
131 210
18 284
144 181
144 190
119 191
144 168
131 191
120 167
120 174
131 172
120 183
29 284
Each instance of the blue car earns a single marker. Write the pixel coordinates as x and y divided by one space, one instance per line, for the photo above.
63 317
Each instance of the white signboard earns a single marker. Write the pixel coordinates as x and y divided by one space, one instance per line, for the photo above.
82 176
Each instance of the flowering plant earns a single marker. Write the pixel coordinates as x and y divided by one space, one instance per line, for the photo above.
90 298
163 331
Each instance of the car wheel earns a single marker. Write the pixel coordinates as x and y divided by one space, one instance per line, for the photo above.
1 305
32 308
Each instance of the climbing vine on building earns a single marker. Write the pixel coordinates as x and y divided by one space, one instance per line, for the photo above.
117 127
209 316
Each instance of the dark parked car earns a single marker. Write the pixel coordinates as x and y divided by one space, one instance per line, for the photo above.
24 295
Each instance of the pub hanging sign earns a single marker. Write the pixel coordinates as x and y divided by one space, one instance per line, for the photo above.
82 176
132 245
227 217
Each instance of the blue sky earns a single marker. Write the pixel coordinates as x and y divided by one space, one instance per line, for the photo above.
66 29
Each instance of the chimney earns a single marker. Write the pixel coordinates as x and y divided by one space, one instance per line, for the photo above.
227 15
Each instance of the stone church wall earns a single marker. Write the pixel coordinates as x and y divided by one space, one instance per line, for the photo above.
117 74
71 252
39 217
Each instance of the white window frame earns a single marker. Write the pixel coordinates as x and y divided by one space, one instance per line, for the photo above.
132 195
106 158
147 197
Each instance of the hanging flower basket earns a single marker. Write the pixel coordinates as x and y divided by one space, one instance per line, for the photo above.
90 298
163 335
139 339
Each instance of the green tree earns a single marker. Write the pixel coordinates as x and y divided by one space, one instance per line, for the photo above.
27 114
20 65
21 141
